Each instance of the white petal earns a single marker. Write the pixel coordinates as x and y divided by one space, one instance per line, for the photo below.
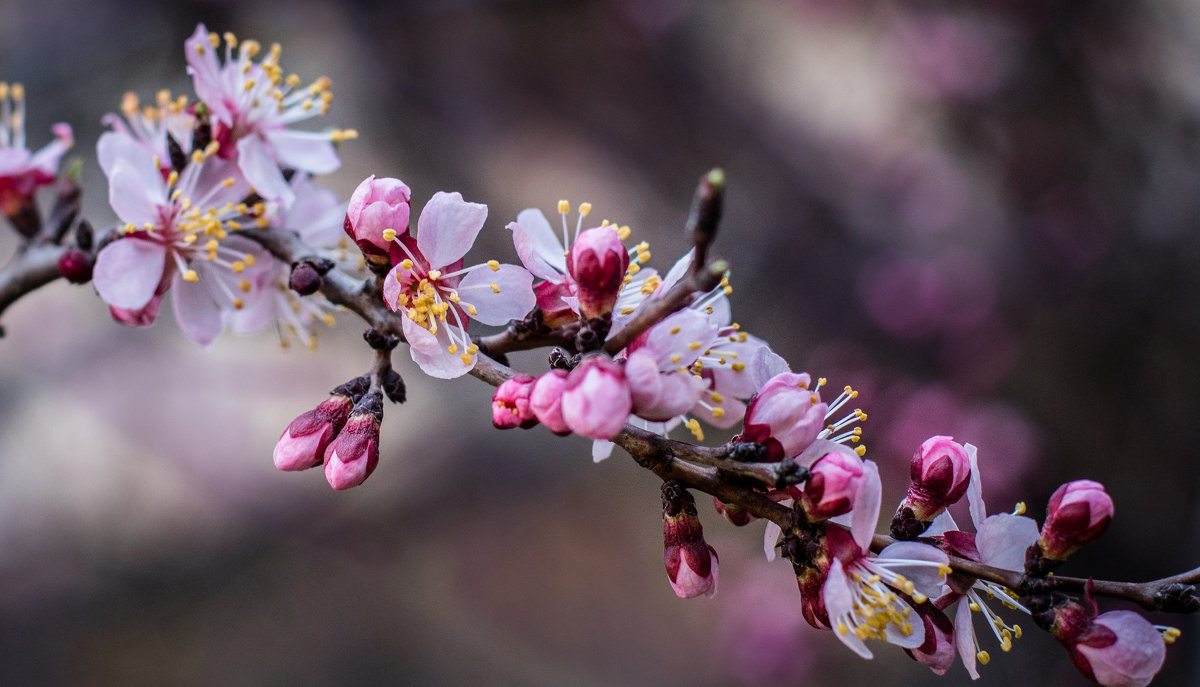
430 352
308 151
770 539
541 250
513 300
975 488
447 228
198 315
135 200
927 579
839 602
865 513
128 272
601 450
262 171
964 636
1003 539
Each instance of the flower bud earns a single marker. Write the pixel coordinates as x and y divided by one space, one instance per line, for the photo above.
75 265
691 563
305 279
353 455
545 400
941 471
735 514
510 404
833 484
376 206
1078 512
303 443
596 400
786 416
597 262
1115 649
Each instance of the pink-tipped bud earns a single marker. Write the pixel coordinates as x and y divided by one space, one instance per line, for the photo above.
378 205
596 400
76 265
735 514
545 400
941 471
785 417
510 404
305 440
353 455
691 563
1078 512
833 484
597 262
1114 649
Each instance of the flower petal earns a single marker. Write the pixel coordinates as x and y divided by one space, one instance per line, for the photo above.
499 296
307 151
199 317
601 450
928 579
128 272
540 249
136 200
447 228
771 539
964 637
865 513
839 601
1003 539
262 171
431 352
975 488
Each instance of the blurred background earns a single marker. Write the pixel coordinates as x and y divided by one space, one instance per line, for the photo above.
982 215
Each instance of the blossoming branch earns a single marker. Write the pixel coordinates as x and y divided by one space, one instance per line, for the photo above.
216 205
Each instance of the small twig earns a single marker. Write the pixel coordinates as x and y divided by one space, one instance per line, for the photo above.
31 268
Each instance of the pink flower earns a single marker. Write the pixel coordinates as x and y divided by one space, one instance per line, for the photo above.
154 126
938 649
597 262
438 296
177 236
786 416
596 400
940 472
510 404
376 206
253 104
1115 649
1078 513
691 563
545 400
305 440
353 455
659 369
833 484
23 172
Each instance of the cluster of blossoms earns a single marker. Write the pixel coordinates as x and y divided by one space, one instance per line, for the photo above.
217 206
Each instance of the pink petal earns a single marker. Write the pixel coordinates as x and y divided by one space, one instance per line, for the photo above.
839 602
975 488
601 450
771 538
262 171
540 249
1134 659
135 201
197 313
1003 539
307 151
206 73
430 352
447 228
514 300
928 579
675 336
128 272
964 637
865 513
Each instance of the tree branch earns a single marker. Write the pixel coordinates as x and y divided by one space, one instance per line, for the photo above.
33 266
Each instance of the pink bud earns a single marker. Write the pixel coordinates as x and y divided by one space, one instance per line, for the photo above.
1078 512
1115 649
691 563
378 205
549 299
303 443
940 473
545 400
352 457
510 404
596 401
736 515
597 262
833 484
786 416
75 265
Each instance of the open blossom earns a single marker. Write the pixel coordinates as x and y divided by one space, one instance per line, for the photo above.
22 172
786 416
253 104
155 127
1114 649
438 296
177 236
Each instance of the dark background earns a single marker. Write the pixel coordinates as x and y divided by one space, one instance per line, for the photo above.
982 215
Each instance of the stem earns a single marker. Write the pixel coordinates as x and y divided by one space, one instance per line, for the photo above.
31 268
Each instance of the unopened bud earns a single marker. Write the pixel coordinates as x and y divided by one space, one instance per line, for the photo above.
353 455
510 404
706 213
691 563
596 401
377 206
1078 513
597 262
940 472
734 513
833 484
305 440
545 400
305 279
76 265
785 417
